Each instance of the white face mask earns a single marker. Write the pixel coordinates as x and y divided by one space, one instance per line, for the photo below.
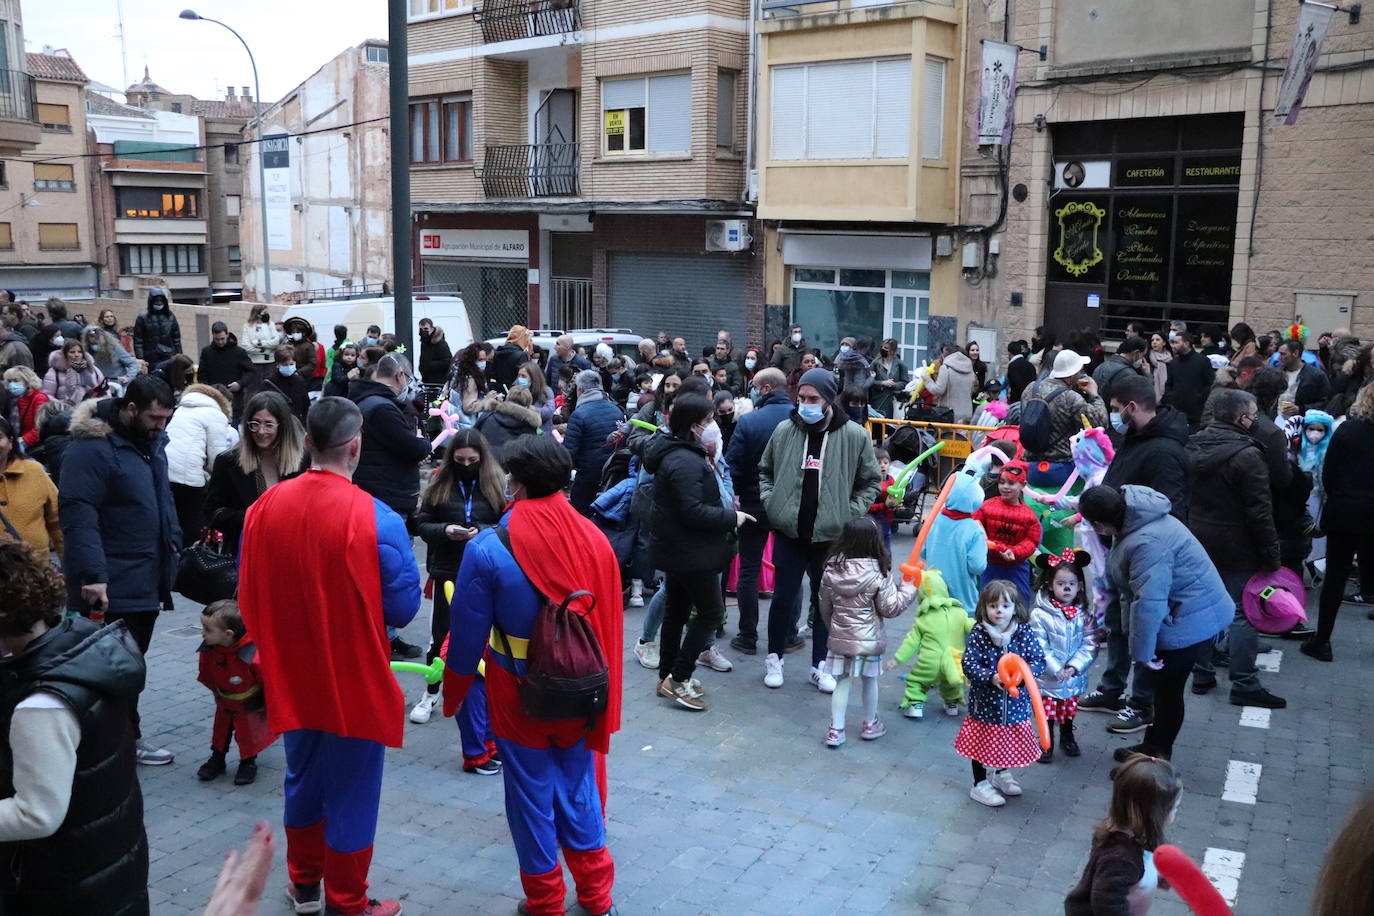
1315 435
58 340
710 437
796 338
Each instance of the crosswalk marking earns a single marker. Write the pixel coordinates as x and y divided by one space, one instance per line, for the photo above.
1223 867
1255 717
1269 661
1242 782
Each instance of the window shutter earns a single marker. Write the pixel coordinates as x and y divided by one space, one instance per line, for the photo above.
933 110
670 114
49 171
57 235
618 94
839 110
53 114
788 114
6 236
892 107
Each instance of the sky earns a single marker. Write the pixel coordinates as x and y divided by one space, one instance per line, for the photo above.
291 39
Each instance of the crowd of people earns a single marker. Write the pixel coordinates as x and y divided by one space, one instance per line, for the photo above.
1203 489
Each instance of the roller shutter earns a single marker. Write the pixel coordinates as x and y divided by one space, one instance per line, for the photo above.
690 296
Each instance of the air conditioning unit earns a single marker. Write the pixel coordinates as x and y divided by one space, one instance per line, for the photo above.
727 235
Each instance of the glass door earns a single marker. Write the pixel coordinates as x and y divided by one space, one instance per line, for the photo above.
908 314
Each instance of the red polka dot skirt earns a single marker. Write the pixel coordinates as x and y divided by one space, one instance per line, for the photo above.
1060 710
998 746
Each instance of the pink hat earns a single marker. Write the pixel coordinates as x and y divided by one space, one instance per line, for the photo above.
1275 602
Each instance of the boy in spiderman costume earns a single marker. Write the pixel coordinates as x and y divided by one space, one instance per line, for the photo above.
229 667
1012 528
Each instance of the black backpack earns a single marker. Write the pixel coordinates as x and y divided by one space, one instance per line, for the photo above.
1037 423
566 675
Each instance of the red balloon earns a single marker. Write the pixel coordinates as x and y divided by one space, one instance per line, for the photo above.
1189 882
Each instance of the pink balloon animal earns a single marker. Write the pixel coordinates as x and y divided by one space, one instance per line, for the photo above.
453 420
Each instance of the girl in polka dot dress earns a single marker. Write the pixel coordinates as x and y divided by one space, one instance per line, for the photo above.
998 735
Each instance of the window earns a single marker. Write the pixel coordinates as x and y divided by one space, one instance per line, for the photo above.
836 302
51 176
231 205
58 237
441 130
377 55
176 108
422 9
725 108
648 114
6 237
156 203
933 110
55 117
842 110
140 260
4 176
231 154
235 257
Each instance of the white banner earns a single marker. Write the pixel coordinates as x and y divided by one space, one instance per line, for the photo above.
1314 21
500 244
276 190
996 94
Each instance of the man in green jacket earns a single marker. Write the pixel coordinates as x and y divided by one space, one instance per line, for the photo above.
817 472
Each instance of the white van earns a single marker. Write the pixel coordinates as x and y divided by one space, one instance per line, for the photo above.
447 312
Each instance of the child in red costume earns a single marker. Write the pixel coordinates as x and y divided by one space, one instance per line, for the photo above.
229 667
1012 528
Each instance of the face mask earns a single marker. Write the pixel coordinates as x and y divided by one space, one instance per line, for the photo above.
855 413
1315 435
369 340
296 335
95 348
1173 335
796 338
750 362
16 388
844 348
615 376
58 340
522 382
811 413
726 420
756 396
710 436
1119 424
158 306
407 393
482 364
467 472
286 370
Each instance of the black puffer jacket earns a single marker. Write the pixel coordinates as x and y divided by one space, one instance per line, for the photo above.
506 362
689 527
389 467
1232 510
1345 475
97 861
157 335
444 556
1156 456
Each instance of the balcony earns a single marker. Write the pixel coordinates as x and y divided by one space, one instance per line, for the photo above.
530 170
772 9
19 127
511 20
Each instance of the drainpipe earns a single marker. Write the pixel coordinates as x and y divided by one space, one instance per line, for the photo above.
751 182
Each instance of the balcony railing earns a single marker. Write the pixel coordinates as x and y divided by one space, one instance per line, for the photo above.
509 20
17 101
530 170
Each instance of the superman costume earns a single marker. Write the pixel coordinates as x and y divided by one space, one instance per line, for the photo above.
317 599
231 673
554 771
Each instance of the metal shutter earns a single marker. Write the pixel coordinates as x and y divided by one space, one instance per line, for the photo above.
690 296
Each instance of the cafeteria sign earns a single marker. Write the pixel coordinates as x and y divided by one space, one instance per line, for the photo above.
1079 223
615 122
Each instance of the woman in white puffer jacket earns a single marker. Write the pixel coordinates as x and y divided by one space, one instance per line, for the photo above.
196 434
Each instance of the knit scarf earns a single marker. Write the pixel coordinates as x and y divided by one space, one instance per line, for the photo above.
1000 638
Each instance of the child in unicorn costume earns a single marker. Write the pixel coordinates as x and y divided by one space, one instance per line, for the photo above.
1317 427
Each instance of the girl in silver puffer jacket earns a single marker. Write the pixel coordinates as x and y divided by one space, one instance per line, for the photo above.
857 592
1062 619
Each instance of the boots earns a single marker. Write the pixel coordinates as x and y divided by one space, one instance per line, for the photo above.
1048 755
1066 739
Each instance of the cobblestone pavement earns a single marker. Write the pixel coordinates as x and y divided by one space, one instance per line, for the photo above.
742 810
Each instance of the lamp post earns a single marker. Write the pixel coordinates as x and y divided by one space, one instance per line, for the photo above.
262 170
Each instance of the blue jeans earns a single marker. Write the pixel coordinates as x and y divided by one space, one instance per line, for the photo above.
1240 640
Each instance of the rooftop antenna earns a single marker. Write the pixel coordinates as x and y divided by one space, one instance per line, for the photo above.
123 45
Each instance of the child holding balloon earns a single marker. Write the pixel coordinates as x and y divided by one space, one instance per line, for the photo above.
998 735
1120 876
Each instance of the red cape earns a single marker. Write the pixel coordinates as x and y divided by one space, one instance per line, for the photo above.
562 552
311 596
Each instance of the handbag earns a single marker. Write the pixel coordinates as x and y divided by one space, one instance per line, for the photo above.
206 574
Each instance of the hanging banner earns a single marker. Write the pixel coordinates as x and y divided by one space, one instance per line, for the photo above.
996 95
1314 21
276 180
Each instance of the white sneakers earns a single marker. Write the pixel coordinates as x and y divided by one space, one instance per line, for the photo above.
772 671
646 653
636 593
915 711
1004 781
422 710
984 794
822 679
712 658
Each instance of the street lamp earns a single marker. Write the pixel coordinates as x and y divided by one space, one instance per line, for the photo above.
262 171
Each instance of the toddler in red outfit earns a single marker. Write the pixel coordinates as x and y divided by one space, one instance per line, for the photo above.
228 666
1012 528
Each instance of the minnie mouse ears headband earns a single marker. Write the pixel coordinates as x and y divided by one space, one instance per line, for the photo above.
1070 557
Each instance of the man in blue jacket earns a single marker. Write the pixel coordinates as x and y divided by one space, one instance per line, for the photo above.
772 407
591 423
119 525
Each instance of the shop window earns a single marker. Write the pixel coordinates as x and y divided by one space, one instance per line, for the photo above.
726 81
157 203
933 110
841 110
55 117
58 237
6 237
53 176
833 303
648 114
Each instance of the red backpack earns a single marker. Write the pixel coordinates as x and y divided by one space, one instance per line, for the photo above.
566 675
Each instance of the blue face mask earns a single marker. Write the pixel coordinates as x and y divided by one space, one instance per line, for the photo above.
844 348
811 413
16 388
1119 424
286 370
750 363
95 348
522 382
369 341
482 364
